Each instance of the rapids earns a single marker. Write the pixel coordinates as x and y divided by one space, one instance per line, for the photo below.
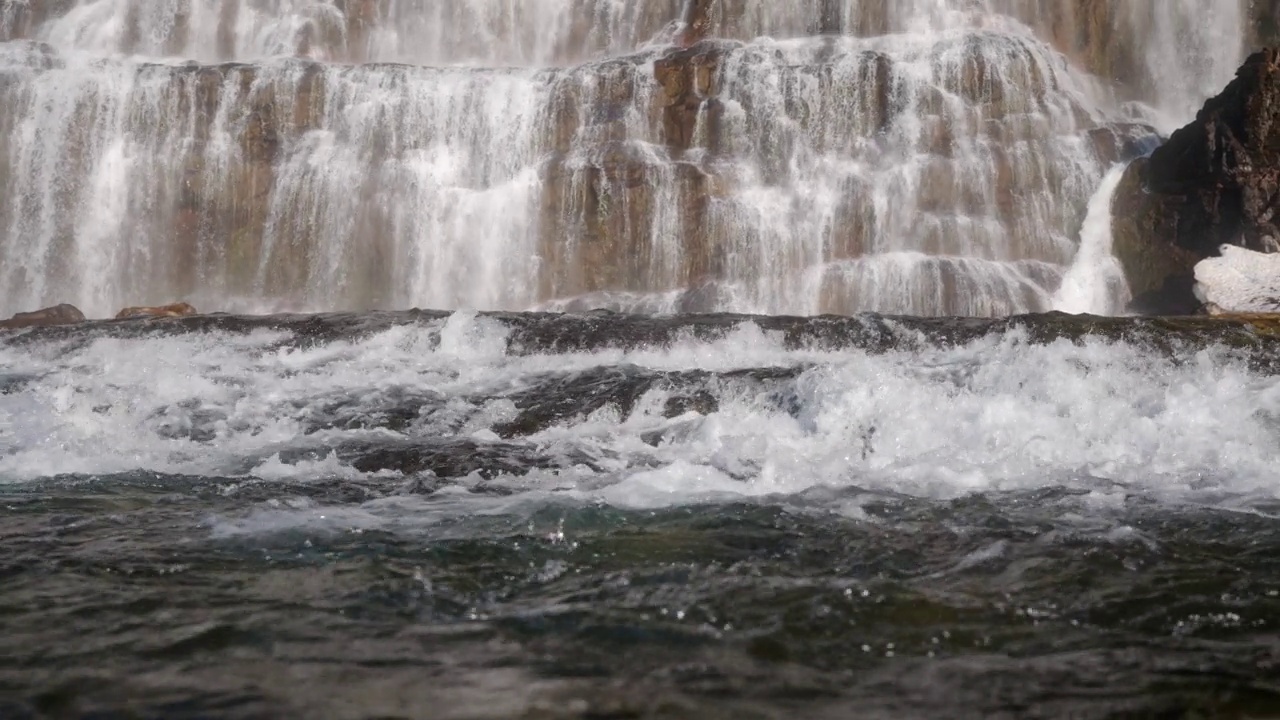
719 409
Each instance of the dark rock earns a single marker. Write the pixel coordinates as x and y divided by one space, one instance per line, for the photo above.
701 402
1256 338
1175 297
57 315
1123 142
443 459
562 397
1216 181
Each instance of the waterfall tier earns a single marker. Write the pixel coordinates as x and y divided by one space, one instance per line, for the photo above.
927 157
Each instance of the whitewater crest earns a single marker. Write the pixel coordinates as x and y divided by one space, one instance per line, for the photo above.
636 411
672 155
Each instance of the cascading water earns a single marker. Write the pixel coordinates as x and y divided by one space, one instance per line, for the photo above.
1095 282
919 157
669 513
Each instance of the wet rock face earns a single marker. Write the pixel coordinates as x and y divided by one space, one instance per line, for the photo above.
57 315
926 156
1214 182
688 77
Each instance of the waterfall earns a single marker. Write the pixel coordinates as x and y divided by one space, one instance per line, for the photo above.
1095 283
915 156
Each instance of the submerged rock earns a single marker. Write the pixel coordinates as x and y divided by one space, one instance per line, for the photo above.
63 314
179 309
1215 182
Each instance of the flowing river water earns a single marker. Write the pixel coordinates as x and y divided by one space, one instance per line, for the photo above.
643 506
474 516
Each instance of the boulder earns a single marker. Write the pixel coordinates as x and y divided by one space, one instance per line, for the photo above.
180 309
57 315
1214 182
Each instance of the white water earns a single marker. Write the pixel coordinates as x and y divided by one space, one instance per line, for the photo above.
999 414
422 32
928 156
1095 283
1239 280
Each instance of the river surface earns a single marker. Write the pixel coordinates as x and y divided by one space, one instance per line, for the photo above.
606 516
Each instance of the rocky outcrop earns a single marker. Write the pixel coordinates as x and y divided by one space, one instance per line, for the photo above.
179 309
57 315
1214 182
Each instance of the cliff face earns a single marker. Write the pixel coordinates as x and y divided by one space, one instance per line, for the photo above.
1215 181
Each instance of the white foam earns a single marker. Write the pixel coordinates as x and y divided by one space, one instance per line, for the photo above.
1095 283
996 415
1240 280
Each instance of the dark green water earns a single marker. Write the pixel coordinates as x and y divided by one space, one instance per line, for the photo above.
118 601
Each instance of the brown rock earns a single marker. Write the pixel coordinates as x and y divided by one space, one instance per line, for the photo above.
1216 181
57 315
180 309
1122 142
688 80
696 23
598 222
